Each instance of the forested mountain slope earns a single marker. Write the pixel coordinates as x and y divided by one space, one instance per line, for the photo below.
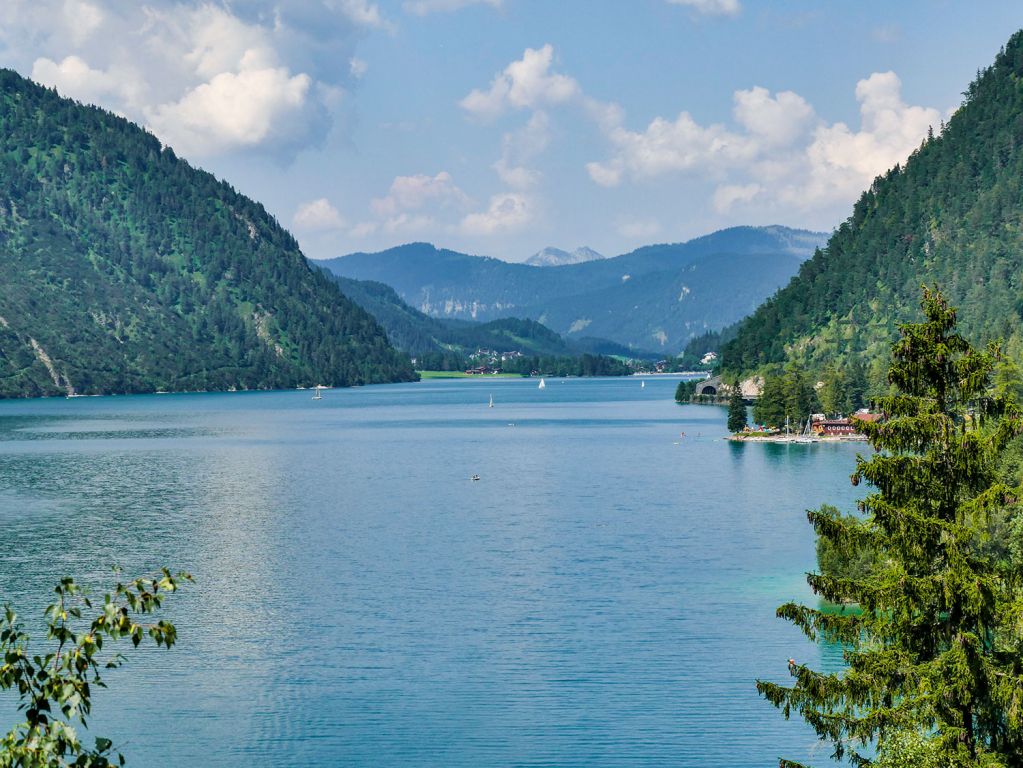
417 333
127 270
655 297
953 215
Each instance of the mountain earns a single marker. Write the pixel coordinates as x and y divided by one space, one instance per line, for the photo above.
656 297
952 216
555 257
417 333
127 270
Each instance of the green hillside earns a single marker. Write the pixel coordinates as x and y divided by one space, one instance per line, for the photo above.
127 270
417 333
953 215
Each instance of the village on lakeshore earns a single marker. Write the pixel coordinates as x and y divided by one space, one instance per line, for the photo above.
799 412
490 362
818 428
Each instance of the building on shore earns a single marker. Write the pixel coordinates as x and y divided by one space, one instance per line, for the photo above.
843 427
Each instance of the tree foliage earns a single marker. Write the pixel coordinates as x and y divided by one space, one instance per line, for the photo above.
736 408
55 687
935 648
686 389
787 396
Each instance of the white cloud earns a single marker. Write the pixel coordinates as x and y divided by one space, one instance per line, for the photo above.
409 193
778 120
207 76
728 195
606 175
215 41
779 153
507 212
843 162
72 76
711 7
424 7
667 146
525 83
520 147
83 19
358 67
364 13
235 111
318 216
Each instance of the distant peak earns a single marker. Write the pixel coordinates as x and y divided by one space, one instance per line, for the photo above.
556 257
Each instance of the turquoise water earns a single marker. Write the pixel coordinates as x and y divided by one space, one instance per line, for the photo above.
604 595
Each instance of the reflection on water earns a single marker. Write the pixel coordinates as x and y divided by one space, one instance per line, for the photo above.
603 596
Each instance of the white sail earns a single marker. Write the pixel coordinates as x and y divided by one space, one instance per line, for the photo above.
491 401
642 385
543 384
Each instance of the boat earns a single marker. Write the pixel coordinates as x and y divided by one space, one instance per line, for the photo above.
543 384
807 435
318 395
491 402
642 385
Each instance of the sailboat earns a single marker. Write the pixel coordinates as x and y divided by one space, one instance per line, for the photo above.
543 384
788 433
491 402
642 385
318 395
807 435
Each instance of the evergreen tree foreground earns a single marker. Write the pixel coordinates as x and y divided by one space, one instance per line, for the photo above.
934 644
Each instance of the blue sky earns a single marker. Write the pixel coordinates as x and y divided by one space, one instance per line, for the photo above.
501 126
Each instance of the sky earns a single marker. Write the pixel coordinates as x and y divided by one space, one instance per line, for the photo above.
499 127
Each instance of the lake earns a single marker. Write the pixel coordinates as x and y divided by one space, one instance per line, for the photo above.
604 595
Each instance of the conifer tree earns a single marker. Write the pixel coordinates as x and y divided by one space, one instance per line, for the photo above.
769 409
934 648
736 408
800 398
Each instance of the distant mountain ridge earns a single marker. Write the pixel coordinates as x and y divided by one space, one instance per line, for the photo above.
653 298
555 257
127 270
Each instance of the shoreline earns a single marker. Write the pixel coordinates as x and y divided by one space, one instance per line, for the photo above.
738 438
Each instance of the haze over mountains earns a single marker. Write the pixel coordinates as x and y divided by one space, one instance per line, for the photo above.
127 270
654 298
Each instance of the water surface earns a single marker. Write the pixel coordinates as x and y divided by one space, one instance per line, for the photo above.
604 595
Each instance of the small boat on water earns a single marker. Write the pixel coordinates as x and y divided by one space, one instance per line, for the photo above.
491 402
319 394
543 384
642 385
